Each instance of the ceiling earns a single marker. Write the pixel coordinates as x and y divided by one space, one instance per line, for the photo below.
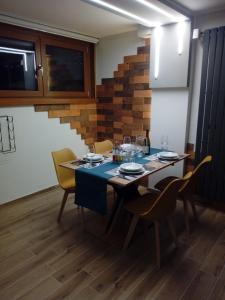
202 6
82 17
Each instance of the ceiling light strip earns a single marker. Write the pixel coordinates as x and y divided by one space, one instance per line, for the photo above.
124 12
156 8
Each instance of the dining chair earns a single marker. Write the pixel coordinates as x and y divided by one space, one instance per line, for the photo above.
66 177
188 189
103 147
155 208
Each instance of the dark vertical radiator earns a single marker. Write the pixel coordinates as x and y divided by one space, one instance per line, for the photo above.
211 118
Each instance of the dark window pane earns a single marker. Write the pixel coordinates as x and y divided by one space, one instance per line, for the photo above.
17 65
65 69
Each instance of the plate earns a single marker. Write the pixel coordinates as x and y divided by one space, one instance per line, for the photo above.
168 155
93 157
131 167
139 172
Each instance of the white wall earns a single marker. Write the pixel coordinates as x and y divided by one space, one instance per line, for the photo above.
173 66
202 22
111 50
169 117
30 168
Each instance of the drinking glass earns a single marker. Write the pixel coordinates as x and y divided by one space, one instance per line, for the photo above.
164 142
140 142
127 140
90 154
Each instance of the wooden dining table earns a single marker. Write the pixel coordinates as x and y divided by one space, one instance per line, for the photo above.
120 182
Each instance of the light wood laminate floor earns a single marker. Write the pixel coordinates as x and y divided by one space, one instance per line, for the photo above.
40 259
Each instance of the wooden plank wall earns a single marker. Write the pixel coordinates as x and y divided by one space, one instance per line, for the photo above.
122 105
124 102
81 117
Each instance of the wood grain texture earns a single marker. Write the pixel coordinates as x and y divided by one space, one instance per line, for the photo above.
128 97
40 259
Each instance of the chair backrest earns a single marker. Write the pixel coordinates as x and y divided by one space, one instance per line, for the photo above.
104 146
61 156
189 187
165 204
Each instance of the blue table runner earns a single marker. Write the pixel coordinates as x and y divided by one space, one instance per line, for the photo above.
91 184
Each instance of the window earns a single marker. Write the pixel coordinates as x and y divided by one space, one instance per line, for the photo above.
43 67
17 65
66 68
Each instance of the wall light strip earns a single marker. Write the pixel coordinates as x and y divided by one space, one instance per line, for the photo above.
180 35
158 36
124 12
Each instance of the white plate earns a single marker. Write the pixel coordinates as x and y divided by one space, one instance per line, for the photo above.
168 155
93 157
131 167
133 172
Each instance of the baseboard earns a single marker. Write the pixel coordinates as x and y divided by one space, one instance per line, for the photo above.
15 201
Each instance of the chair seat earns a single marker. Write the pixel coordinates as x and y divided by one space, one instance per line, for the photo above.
141 204
68 184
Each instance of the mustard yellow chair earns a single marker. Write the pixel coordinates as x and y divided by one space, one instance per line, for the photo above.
155 207
103 147
66 177
187 191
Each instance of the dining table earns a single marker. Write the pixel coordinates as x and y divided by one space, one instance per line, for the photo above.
92 180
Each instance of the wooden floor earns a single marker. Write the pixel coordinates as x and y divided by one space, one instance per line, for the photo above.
40 259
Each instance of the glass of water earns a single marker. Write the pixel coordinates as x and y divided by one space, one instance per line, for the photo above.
164 142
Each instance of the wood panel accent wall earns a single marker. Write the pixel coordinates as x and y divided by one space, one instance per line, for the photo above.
81 117
124 102
122 105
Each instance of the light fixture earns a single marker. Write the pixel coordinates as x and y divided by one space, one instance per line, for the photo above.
156 8
158 36
180 37
124 12
162 11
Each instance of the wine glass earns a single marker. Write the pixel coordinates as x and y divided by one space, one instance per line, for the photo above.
90 154
127 140
140 143
164 142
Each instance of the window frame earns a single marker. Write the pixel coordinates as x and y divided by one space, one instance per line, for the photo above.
64 43
8 33
43 95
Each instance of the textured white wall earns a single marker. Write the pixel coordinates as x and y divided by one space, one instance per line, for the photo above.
169 117
30 168
111 50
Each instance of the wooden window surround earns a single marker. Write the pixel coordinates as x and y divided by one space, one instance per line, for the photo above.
47 91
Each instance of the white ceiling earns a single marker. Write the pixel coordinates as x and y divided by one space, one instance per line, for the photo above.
73 15
202 6
82 17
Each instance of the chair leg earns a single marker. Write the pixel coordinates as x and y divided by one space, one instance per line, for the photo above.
186 217
130 231
83 217
194 210
65 196
115 215
172 230
157 243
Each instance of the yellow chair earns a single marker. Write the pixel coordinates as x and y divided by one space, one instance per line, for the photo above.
103 147
155 207
188 189
66 177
